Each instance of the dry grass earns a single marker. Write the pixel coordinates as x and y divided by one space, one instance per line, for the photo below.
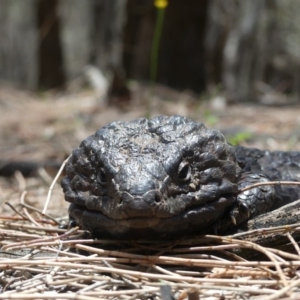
40 261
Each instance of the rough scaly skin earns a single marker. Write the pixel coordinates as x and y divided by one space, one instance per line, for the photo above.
169 176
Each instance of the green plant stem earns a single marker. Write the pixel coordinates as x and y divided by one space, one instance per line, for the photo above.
156 43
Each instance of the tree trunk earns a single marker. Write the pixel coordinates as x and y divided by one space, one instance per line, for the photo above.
50 60
19 43
46 43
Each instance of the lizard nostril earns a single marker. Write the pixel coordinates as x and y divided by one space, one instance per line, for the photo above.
152 197
157 198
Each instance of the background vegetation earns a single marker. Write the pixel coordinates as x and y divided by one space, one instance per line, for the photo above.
247 49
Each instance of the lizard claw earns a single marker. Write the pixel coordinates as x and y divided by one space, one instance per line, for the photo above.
233 219
240 213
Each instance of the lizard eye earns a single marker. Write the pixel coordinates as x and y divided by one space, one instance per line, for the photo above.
184 171
102 178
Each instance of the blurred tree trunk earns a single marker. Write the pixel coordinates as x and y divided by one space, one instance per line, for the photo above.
230 41
239 52
253 49
46 43
91 33
76 30
50 61
109 17
19 43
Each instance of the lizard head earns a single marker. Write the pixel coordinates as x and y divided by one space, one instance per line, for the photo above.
157 177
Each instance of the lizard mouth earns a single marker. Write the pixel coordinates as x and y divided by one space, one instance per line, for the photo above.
194 219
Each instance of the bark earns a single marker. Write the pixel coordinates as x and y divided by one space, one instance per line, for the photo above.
108 22
18 47
287 216
50 60
76 18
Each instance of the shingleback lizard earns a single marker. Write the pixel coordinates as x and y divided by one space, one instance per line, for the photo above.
169 176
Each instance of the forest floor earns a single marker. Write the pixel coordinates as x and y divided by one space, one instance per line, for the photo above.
50 125
47 126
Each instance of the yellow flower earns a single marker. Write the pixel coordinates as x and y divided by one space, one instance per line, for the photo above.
160 3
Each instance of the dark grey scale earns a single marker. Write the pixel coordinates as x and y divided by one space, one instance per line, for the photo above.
170 176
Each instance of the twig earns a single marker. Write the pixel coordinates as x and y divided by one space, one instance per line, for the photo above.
53 183
268 183
28 216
